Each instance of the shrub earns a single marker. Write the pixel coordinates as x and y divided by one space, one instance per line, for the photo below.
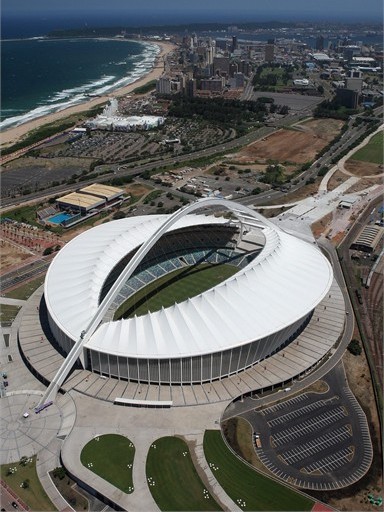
59 472
354 347
118 215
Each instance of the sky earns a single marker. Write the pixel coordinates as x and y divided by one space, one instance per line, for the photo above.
167 11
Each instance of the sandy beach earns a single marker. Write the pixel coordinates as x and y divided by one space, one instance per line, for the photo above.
12 135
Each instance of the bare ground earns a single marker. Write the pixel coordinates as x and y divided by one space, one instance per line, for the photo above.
292 145
11 255
362 169
363 184
321 225
336 179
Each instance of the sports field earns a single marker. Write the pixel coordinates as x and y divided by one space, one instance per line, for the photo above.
372 152
110 456
173 479
175 287
247 488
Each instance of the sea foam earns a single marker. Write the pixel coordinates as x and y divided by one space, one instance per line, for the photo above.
105 84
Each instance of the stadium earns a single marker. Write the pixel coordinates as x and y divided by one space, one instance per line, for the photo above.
187 298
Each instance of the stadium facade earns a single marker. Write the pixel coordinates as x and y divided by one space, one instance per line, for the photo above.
277 283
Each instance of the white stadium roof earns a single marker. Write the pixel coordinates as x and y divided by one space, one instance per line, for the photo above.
281 285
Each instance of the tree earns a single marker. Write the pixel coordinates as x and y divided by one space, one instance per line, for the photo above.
47 251
118 215
59 472
354 347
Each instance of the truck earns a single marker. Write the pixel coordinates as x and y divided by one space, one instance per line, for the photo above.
257 441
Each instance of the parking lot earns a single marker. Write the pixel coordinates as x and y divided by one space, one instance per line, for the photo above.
315 441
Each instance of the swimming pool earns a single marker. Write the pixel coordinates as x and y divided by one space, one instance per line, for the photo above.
59 218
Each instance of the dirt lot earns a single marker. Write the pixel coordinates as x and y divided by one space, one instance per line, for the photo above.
336 179
296 146
11 255
363 184
362 169
138 189
320 226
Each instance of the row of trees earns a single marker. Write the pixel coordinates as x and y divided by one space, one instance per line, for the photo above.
218 110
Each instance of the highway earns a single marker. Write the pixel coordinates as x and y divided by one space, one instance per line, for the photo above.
20 275
348 138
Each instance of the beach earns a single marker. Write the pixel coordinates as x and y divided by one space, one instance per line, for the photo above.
14 134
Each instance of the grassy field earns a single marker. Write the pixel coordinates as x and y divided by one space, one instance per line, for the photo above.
8 313
173 480
246 487
24 291
34 495
175 287
111 457
372 152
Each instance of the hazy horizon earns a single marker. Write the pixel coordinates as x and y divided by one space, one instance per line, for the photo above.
150 12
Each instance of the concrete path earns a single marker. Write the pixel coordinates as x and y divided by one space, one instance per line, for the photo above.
142 427
212 484
323 187
12 302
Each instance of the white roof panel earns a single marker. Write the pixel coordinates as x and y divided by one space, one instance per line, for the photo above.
281 285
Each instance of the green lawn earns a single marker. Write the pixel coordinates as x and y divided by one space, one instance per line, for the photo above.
173 480
34 496
111 457
8 313
24 291
372 152
175 287
243 483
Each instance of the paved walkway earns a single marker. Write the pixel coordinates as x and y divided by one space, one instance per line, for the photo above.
143 427
12 302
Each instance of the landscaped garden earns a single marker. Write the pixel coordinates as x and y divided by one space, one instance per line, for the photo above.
22 478
173 479
247 488
111 456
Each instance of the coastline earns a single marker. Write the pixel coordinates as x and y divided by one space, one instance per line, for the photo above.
14 134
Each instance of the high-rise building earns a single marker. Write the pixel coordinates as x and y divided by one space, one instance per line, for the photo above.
269 55
347 98
354 81
233 68
221 65
190 88
319 45
234 43
163 85
213 84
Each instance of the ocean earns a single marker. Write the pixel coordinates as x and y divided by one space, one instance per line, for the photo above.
40 76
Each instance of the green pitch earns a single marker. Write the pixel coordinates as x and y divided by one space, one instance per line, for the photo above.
175 287
247 488
173 479
372 152
110 456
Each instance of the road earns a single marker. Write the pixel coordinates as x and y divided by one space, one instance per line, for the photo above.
348 138
373 346
28 271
